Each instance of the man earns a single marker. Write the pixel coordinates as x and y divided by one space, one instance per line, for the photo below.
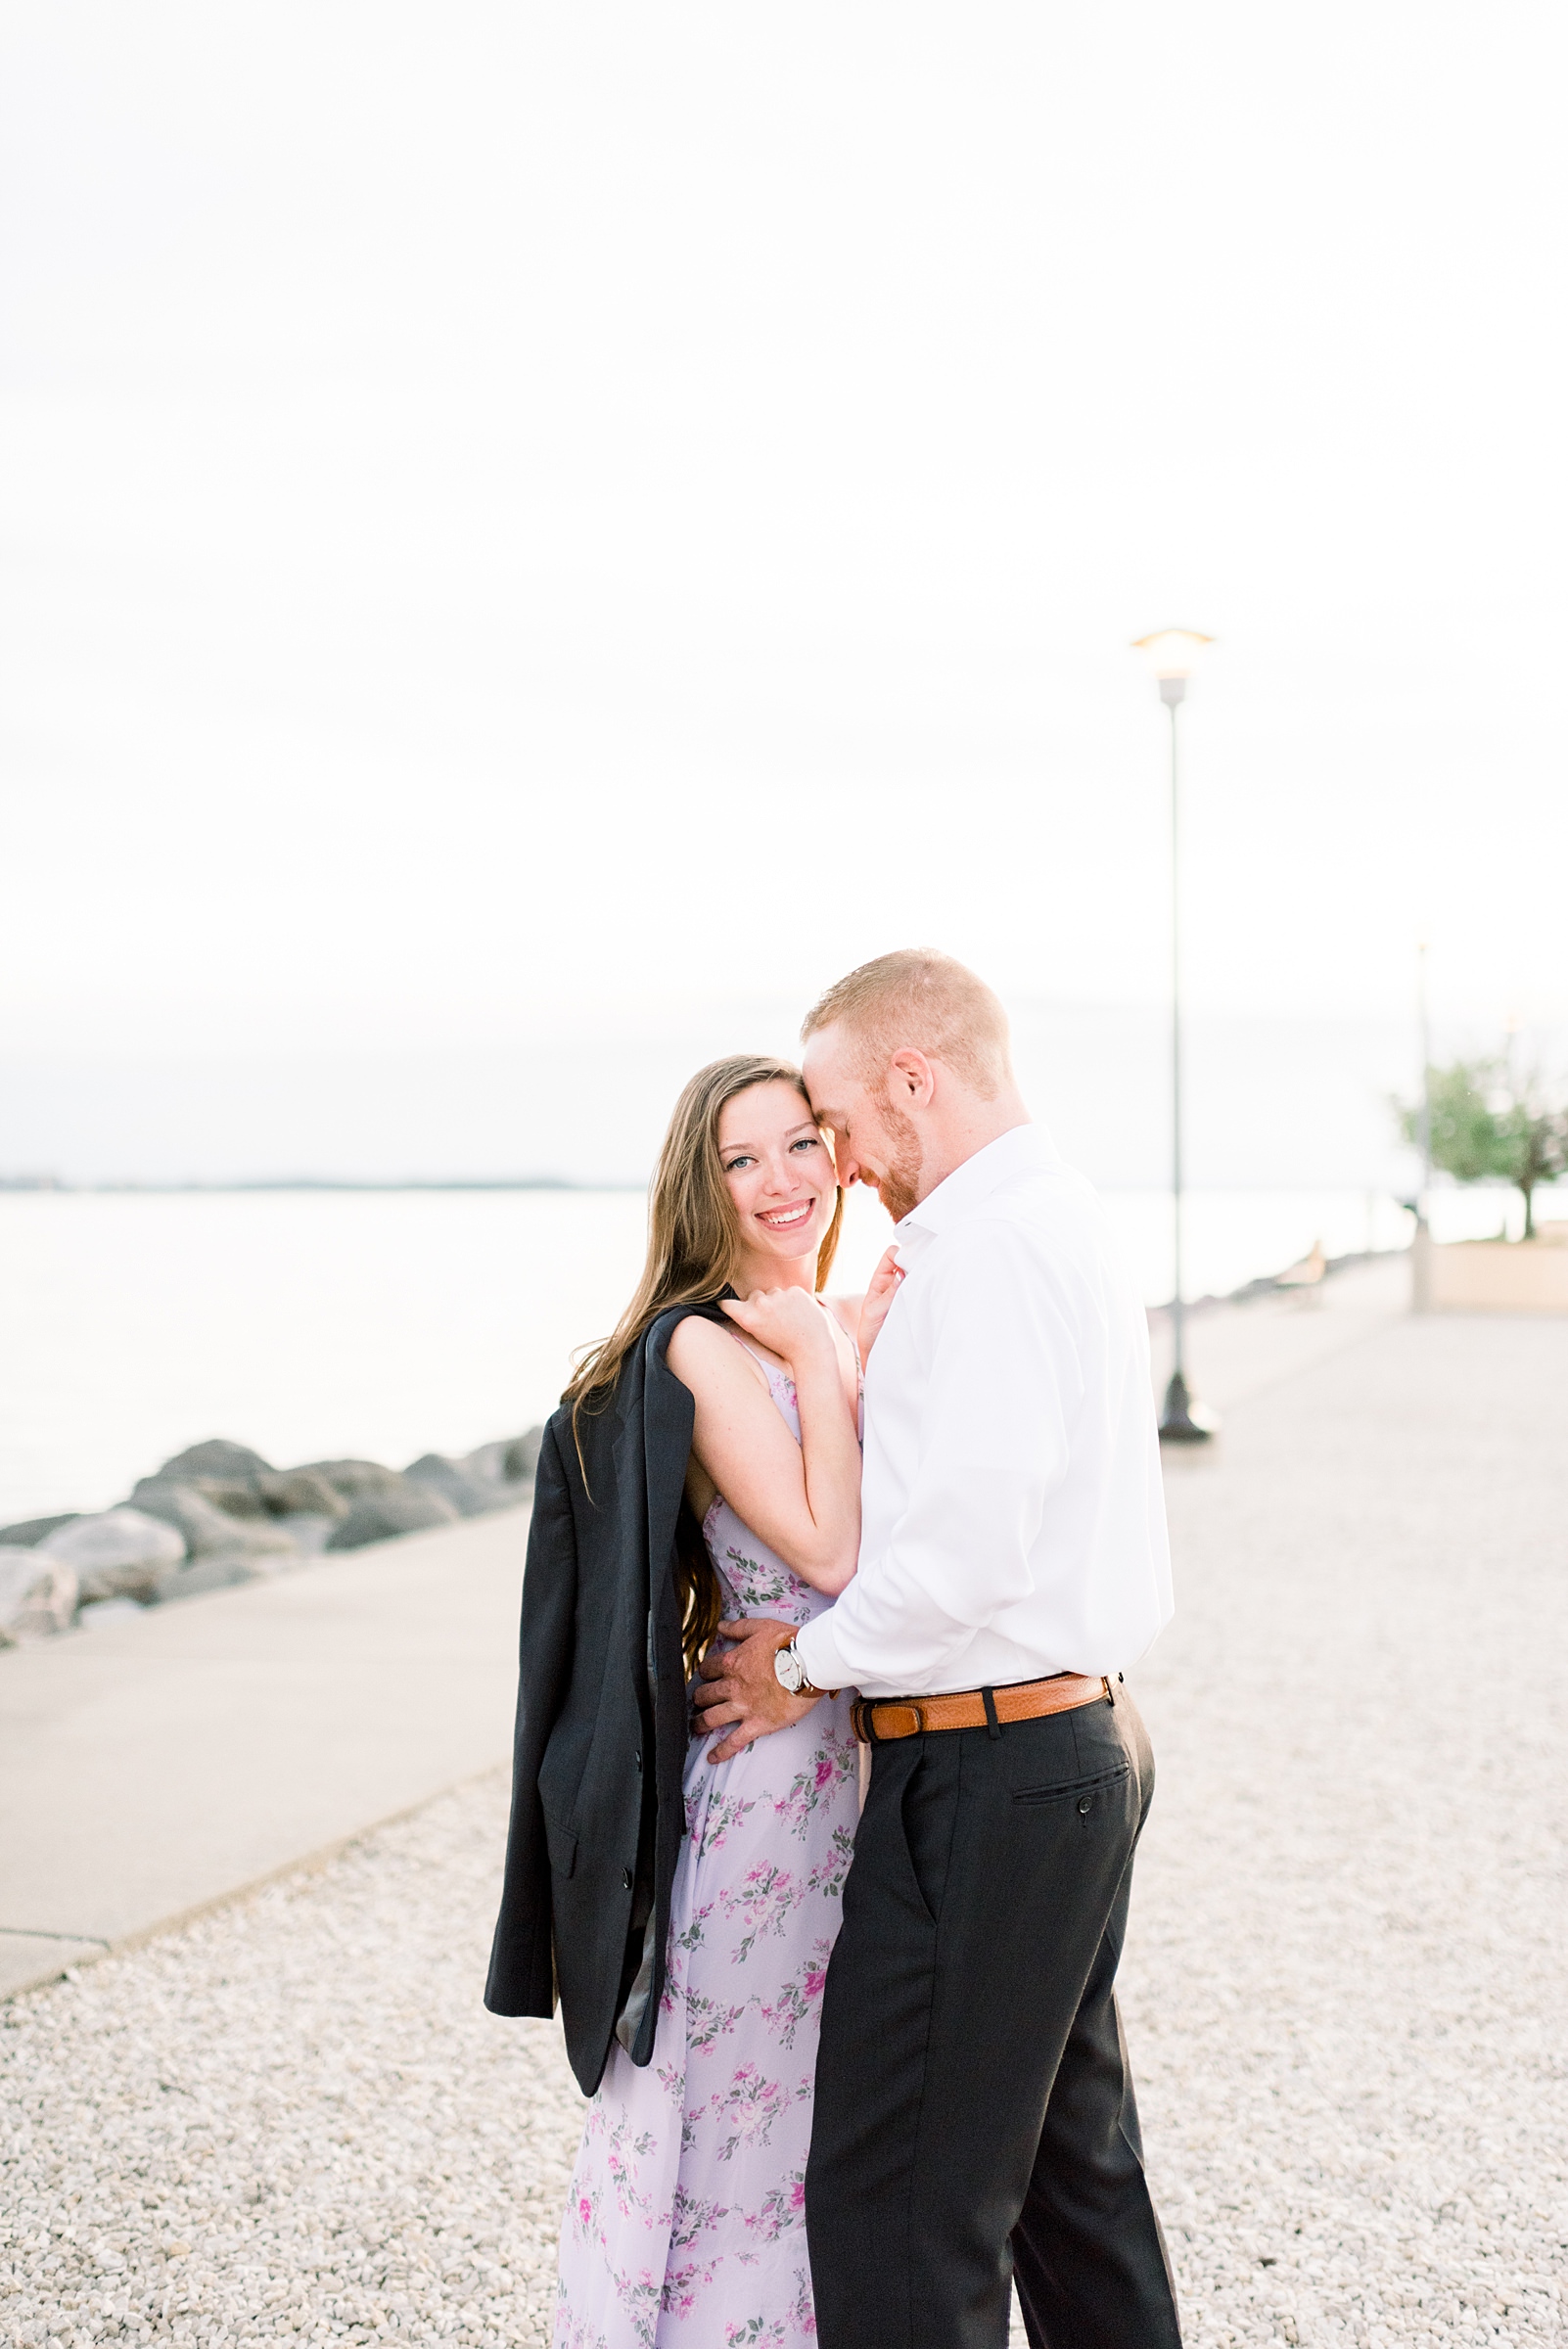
973 2090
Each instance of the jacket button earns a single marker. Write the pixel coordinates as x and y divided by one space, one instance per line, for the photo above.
639 1761
1085 1804
625 1877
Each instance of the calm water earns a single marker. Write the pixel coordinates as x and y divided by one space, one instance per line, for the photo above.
387 1325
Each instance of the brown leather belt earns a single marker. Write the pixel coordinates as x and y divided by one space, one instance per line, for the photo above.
880 1717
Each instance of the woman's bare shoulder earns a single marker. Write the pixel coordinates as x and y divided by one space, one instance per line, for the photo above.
710 1358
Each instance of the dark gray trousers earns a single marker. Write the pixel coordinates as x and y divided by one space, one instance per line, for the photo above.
974 2114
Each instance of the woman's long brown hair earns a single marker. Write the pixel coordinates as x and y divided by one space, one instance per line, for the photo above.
694 1247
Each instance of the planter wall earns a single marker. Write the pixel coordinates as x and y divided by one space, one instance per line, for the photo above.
1501 1277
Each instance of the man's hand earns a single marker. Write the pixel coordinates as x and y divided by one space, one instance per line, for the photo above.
741 1693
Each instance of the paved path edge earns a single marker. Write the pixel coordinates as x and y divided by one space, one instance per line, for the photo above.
309 1864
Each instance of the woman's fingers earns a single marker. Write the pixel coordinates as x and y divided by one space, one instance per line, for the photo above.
887 1274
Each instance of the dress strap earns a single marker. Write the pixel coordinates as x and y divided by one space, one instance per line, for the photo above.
769 1371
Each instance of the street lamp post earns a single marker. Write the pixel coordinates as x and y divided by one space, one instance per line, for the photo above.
1171 654
1421 1243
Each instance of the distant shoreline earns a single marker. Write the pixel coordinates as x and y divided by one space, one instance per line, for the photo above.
311 1182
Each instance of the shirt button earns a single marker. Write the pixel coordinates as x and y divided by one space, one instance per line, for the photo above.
1085 1804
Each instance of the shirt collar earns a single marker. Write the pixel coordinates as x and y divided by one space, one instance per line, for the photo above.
1026 1149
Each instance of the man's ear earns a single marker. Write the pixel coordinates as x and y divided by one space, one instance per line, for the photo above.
911 1079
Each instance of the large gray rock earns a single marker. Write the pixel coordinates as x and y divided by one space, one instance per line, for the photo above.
39 1594
207 1531
311 1530
217 1457
235 1496
488 1461
116 1554
208 1574
94 1613
507 1462
523 1455
407 1508
33 1530
350 1478
469 1496
301 1492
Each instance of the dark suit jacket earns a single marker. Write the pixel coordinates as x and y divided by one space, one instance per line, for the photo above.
602 1723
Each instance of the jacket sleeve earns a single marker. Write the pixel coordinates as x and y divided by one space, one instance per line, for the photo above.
522 1976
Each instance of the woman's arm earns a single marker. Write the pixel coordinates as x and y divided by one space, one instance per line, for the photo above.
803 1499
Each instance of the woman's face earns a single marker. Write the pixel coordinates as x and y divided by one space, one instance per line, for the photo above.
780 1175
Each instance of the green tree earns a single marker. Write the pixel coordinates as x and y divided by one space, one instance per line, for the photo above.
1488 1125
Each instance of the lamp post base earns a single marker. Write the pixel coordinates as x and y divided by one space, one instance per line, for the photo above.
1183 1421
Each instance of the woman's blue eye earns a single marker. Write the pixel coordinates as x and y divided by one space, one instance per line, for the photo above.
808 1141
737 1161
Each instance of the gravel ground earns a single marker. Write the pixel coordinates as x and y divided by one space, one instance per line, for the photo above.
1344 1991
1346 1987
294 2119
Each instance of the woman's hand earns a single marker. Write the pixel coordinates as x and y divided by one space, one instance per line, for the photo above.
885 1285
789 1322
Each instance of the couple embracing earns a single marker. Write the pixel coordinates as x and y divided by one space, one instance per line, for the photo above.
853 2053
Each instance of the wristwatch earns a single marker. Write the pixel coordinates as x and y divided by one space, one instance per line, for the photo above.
790 1674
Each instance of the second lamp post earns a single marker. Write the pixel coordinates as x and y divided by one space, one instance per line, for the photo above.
1171 654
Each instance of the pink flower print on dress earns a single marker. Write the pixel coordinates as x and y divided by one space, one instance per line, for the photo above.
763 1899
798 2000
760 1589
755 2334
784 2208
749 2107
829 1768
723 1816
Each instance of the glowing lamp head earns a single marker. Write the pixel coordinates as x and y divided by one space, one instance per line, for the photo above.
1170 653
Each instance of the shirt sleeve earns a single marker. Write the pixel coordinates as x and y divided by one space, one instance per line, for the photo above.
1002 1385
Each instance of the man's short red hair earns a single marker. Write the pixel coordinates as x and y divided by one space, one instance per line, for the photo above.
919 1000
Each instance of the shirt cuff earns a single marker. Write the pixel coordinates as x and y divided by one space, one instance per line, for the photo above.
819 1652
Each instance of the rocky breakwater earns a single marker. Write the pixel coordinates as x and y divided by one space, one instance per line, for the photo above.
219 1514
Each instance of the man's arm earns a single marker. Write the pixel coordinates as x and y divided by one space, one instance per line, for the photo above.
1001 1400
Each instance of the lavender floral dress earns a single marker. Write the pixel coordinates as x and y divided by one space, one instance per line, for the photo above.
685 2226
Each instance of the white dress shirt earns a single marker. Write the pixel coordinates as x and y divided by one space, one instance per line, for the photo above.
1012 1512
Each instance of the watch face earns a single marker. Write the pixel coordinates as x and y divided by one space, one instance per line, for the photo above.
787 1669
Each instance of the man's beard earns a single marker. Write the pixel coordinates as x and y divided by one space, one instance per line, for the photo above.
898 1190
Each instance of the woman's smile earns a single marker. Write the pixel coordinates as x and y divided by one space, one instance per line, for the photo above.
785 1219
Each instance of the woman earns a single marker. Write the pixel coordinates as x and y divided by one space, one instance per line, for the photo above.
686 2218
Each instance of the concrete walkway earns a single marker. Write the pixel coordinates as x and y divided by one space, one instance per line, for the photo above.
173 1759
1236 1352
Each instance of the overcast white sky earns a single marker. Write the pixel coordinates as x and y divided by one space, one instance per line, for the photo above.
509 511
